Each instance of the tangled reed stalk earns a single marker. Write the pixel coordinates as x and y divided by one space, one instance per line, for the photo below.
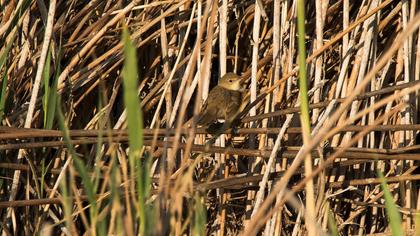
67 161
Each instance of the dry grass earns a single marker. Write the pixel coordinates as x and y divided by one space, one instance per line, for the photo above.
363 69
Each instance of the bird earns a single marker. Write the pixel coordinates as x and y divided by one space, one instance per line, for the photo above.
223 102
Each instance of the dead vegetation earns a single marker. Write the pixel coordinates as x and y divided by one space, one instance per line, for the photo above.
363 66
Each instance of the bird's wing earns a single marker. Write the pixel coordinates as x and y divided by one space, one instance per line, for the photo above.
233 104
210 110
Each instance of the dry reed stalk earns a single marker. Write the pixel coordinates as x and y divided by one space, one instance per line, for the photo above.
253 93
176 58
321 167
222 159
275 221
31 108
408 114
338 113
260 193
319 18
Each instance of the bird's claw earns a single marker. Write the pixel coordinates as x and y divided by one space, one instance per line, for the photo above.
235 130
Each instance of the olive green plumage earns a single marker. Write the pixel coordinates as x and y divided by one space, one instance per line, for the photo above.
223 102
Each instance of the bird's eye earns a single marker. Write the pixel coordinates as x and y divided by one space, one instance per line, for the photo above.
230 81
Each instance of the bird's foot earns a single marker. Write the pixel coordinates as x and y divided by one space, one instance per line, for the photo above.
235 130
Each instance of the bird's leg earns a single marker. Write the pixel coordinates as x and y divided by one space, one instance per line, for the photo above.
234 124
235 130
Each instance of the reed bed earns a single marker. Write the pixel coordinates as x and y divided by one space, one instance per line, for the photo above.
99 100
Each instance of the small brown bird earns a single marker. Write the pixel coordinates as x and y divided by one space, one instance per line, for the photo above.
223 102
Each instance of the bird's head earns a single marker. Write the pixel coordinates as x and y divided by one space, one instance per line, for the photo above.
231 81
